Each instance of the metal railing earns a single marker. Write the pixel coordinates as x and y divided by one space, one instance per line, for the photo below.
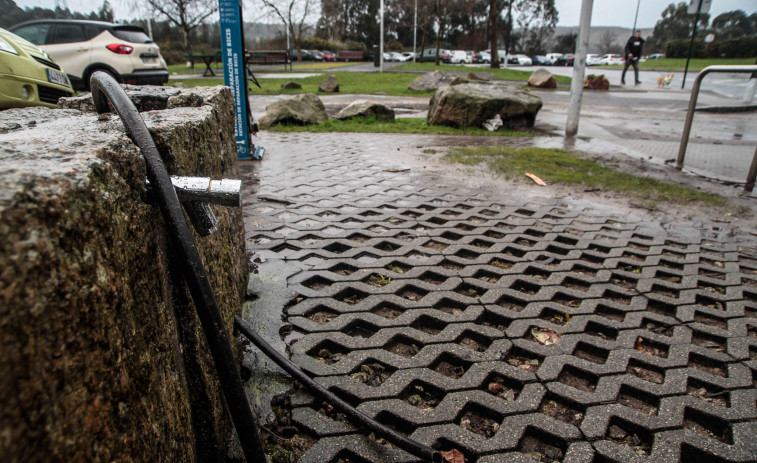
690 117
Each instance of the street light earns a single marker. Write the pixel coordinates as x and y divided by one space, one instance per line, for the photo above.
633 31
381 40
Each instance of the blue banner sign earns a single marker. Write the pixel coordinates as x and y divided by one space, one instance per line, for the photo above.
232 50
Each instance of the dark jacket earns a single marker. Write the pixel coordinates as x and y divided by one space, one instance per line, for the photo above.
634 46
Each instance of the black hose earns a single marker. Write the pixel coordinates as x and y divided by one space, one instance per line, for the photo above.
104 89
413 447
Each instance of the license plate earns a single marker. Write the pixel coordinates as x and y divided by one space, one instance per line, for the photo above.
150 60
57 77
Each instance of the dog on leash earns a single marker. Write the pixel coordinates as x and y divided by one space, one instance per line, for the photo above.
664 81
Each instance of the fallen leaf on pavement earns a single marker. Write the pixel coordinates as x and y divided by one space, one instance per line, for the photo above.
640 347
453 456
545 336
536 179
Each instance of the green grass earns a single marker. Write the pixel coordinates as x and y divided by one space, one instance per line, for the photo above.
679 64
502 73
349 83
558 167
400 125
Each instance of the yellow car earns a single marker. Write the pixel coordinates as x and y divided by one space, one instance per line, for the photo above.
28 76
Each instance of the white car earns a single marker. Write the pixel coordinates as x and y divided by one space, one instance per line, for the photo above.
593 59
553 56
83 47
407 56
522 60
459 57
611 59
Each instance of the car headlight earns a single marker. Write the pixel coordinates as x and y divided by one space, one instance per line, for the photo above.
5 46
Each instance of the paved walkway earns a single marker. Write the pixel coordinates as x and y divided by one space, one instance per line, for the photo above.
511 323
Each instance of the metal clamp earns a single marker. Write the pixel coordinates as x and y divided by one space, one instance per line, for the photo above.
198 193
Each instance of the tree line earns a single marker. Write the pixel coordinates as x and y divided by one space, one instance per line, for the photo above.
518 26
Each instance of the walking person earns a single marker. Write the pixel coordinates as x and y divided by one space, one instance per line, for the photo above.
632 55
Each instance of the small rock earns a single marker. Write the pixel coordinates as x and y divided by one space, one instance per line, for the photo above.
362 108
596 82
553 453
475 77
541 78
330 85
495 388
616 432
291 86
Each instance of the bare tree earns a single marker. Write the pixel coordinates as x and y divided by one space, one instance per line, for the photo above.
608 42
186 14
293 13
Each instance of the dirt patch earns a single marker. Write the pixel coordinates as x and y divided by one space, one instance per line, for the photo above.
622 435
538 449
282 440
372 374
562 411
478 423
448 369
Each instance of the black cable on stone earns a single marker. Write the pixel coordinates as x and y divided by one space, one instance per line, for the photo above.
104 89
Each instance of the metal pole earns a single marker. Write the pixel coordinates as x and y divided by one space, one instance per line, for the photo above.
579 67
693 104
633 31
691 44
149 21
752 174
381 39
415 30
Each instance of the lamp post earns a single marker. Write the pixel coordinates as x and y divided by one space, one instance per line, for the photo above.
381 39
579 67
633 31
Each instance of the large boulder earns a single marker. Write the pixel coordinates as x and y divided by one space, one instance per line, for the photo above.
472 104
362 108
435 80
595 82
303 109
541 78
330 85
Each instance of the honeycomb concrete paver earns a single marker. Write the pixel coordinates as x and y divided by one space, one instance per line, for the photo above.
415 296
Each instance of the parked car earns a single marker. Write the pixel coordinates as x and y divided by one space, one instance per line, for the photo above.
553 56
83 47
429 55
315 55
540 60
458 57
28 76
408 56
565 60
328 55
522 60
655 56
611 59
482 57
592 59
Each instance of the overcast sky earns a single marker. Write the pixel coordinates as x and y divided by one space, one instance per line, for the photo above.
605 12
